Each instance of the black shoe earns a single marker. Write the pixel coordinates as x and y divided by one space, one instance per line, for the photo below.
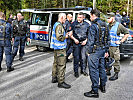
9 69
108 73
114 77
21 58
91 94
68 60
76 74
84 73
64 85
0 69
102 88
54 80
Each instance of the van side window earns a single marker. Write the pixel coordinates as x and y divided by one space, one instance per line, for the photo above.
40 19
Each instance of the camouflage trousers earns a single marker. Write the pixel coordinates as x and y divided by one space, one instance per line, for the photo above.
59 65
115 53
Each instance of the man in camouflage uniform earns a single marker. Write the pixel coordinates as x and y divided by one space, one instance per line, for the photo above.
58 43
115 29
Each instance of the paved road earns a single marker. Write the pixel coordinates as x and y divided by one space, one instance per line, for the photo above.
31 80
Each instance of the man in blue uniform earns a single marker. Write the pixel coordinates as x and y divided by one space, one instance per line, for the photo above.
98 44
80 35
10 19
58 43
19 36
125 20
5 42
118 17
69 48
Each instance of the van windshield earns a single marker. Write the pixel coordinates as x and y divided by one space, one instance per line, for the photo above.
40 19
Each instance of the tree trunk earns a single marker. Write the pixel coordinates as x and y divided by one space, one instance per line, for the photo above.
94 4
63 1
127 7
75 2
109 7
131 11
84 3
68 3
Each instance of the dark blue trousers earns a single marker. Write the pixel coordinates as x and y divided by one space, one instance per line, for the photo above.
69 48
19 41
96 64
5 46
80 58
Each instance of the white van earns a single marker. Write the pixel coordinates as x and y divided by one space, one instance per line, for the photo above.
42 22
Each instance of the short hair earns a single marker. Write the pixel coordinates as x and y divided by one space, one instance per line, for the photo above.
19 14
61 14
69 15
95 12
10 14
81 13
2 15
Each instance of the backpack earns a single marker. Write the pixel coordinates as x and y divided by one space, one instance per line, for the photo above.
2 30
103 33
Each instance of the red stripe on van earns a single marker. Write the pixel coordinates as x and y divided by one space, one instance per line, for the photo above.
43 32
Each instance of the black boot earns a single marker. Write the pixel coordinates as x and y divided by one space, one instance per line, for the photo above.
108 73
64 85
102 88
54 80
84 73
91 94
9 69
21 58
76 74
114 77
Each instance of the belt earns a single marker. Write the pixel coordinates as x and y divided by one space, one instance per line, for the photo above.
59 49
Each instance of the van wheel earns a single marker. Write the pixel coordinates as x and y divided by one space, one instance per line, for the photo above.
41 48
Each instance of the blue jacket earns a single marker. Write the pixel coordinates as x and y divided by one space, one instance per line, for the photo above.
20 28
8 33
118 18
67 26
125 19
8 30
93 37
80 30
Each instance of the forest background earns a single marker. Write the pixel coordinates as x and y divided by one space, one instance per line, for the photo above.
12 6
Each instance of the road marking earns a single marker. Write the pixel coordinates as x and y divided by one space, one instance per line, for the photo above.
29 49
131 63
